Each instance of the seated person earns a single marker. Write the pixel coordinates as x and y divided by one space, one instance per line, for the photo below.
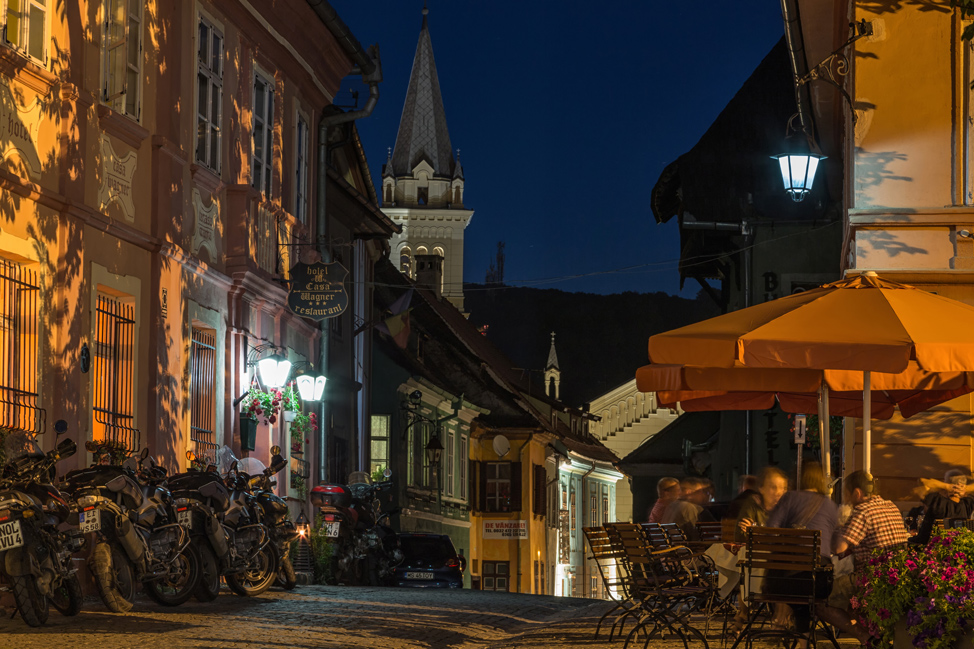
668 491
949 501
689 509
874 523
772 485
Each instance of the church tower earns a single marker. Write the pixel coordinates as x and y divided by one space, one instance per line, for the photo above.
552 373
422 183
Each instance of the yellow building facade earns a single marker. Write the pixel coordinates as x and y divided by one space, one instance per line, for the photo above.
908 185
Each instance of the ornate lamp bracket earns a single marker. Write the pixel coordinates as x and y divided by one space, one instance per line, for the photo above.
833 68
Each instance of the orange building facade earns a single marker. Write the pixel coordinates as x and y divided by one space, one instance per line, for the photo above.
159 177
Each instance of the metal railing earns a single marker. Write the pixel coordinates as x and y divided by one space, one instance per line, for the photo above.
19 317
113 373
202 420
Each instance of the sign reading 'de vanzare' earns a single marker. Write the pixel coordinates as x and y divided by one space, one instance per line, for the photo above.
505 529
318 290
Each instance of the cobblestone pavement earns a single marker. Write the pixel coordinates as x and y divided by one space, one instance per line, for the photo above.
332 616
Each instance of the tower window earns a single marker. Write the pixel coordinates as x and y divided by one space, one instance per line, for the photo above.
422 195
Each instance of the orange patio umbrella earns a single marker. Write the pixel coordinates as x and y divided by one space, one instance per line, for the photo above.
915 339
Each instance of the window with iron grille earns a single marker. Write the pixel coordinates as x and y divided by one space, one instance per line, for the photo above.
202 367
112 373
263 127
380 443
19 315
593 518
123 56
209 94
25 28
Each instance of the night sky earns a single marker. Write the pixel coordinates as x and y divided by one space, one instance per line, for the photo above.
566 113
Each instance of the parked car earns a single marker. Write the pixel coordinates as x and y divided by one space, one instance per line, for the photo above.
429 561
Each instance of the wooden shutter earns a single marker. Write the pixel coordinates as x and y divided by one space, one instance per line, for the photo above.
539 491
481 499
516 504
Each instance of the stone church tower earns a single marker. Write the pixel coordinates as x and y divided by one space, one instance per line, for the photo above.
422 183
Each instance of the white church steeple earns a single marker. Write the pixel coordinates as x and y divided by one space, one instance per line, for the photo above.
552 373
422 182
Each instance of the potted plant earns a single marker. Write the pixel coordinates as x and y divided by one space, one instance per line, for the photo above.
290 401
921 597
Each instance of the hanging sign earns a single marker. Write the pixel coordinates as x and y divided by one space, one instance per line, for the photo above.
318 290
800 429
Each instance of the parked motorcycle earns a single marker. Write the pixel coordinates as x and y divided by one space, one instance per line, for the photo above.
366 547
247 514
35 554
202 498
138 539
275 515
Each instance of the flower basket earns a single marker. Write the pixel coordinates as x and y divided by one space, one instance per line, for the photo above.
289 415
922 598
248 434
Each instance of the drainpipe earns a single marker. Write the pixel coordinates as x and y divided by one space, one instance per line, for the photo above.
369 66
796 54
520 457
581 543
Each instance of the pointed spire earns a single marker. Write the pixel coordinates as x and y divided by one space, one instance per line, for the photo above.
552 355
458 168
422 129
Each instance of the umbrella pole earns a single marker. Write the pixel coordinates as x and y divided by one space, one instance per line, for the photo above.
824 431
867 407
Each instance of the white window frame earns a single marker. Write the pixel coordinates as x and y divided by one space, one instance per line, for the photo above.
302 165
263 183
122 57
214 79
451 458
25 11
464 453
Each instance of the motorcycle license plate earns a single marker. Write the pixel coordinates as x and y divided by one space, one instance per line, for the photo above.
90 521
419 575
185 518
10 535
331 529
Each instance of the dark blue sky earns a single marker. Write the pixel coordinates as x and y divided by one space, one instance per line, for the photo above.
565 114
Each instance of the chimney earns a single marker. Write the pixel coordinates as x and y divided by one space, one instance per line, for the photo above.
429 273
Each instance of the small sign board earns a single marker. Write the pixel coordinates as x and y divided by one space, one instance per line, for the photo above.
800 429
318 290
505 529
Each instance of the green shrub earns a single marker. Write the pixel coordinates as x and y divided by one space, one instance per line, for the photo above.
322 550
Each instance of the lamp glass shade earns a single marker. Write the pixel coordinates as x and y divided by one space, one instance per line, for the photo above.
267 367
283 372
798 172
319 387
433 450
306 387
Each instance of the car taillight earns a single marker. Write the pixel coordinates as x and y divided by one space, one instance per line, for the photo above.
329 517
452 563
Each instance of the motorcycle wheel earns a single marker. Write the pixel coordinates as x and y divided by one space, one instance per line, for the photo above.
114 576
67 597
258 577
31 604
286 578
179 583
209 586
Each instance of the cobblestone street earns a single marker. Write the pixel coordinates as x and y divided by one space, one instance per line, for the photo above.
323 616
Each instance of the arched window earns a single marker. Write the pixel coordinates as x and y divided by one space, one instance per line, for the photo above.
405 262
439 252
421 250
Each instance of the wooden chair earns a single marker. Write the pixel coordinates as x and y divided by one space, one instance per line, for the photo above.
666 583
610 559
710 531
788 562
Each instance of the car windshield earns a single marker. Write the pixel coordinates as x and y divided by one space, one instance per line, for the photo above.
427 547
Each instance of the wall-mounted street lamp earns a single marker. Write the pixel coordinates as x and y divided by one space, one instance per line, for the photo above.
798 165
434 450
274 370
311 388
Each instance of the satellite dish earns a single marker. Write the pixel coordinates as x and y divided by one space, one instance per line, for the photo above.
501 445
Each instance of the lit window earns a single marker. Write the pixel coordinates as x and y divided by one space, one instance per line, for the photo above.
301 170
380 443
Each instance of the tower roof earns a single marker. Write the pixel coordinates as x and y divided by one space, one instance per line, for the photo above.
422 129
552 355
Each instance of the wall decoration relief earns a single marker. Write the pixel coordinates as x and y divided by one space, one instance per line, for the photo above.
117 173
19 129
207 218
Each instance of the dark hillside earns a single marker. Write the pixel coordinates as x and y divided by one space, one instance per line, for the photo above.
601 339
